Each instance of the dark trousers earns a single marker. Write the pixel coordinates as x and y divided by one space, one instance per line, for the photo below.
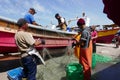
94 47
29 67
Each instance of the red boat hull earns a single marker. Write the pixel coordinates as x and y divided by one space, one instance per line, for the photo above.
106 36
105 39
7 42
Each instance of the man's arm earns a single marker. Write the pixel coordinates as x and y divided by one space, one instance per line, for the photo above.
34 23
83 39
31 41
33 20
96 35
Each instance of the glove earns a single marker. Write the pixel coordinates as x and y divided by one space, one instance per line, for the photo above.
43 41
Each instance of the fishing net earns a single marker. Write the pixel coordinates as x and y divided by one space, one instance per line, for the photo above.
97 58
102 58
55 68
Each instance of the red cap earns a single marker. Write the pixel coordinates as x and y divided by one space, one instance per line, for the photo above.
81 22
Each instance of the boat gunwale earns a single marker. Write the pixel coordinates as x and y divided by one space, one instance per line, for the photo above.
37 27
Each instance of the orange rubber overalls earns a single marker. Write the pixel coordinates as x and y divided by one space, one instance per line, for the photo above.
77 47
86 59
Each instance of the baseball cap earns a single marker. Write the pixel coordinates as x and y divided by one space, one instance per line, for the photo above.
80 22
21 22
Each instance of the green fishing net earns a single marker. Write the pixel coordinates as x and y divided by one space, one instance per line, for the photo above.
99 58
102 58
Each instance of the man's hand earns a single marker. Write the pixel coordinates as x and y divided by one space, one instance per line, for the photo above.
57 26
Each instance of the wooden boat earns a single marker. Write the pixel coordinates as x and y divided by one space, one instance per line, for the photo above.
107 34
55 39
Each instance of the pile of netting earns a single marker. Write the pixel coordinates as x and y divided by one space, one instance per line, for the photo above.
55 67
101 58
97 58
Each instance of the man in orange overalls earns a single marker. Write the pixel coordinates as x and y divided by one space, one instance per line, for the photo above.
85 49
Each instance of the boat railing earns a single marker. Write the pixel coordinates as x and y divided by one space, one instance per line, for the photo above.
51 30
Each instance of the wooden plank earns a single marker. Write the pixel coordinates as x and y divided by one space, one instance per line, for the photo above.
9 57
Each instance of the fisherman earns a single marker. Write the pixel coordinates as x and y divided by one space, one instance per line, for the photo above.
61 22
29 16
23 41
85 43
94 37
87 19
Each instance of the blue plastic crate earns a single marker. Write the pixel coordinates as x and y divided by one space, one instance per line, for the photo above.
15 74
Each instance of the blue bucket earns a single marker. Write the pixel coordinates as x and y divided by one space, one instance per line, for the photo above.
15 74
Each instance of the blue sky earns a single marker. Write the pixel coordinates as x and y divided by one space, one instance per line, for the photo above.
46 9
